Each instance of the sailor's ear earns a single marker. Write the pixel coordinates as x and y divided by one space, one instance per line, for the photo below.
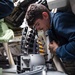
45 15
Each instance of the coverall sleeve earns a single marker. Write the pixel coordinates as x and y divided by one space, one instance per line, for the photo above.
66 51
6 7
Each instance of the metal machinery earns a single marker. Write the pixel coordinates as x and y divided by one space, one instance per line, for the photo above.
34 58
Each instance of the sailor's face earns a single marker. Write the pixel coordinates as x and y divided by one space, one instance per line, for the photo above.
41 24
44 23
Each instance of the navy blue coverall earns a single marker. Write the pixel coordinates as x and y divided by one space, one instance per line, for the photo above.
63 31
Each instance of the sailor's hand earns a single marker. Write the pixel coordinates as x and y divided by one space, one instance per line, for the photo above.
53 46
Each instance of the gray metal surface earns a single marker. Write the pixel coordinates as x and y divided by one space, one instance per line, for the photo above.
55 73
40 72
36 59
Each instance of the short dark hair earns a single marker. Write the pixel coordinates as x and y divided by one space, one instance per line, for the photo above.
34 12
